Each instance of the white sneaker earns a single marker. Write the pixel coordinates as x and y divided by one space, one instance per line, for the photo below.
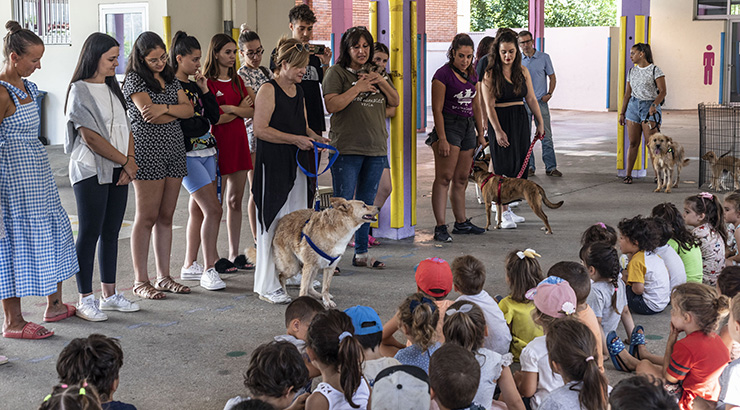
514 204
278 297
211 280
295 282
193 272
118 302
514 217
88 309
507 222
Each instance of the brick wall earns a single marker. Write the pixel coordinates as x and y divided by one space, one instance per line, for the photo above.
441 18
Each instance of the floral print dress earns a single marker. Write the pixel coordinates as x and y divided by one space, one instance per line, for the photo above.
712 253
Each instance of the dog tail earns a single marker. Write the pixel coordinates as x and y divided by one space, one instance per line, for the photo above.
251 253
547 201
721 156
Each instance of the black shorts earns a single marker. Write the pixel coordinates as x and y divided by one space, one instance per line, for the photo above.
460 132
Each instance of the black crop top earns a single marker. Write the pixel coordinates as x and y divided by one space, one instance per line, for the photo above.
509 95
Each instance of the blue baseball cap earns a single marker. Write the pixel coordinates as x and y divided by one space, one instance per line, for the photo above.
365 320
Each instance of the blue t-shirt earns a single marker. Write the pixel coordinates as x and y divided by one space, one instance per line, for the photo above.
117 405
413 356
539 66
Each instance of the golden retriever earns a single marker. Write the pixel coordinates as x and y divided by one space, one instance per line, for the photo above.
666 155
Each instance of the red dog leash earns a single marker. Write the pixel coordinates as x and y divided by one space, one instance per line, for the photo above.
529 153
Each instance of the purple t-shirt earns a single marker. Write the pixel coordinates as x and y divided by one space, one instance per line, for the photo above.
458 95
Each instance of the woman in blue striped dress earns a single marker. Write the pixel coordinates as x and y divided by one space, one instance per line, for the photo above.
37 252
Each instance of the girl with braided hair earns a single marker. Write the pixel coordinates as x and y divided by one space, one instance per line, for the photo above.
607 297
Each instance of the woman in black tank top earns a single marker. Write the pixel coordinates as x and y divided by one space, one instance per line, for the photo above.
506 85
281 130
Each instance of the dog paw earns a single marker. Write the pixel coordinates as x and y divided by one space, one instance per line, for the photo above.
658 189
668 190
329 304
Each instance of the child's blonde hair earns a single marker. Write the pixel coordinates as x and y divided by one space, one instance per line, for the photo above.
734 199
465 325
292 52
523 272
702 302
420 316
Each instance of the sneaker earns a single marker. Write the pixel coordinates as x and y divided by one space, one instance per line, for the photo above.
515 204
507 222
118 302
514 217
211 280
278 297
88 309
466 228
441 235
193 272
554 173
531 172
295 282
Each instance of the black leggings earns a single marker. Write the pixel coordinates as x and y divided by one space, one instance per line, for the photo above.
100 210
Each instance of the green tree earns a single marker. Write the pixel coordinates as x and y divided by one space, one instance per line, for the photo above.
558 13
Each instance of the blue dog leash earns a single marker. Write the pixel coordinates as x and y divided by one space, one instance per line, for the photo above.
316 146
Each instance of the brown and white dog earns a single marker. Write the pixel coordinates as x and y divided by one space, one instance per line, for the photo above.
722 163
666 154
512 189
329 231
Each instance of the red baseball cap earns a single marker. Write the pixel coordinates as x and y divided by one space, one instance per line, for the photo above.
434 277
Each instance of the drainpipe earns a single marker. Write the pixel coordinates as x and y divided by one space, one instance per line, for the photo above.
227 7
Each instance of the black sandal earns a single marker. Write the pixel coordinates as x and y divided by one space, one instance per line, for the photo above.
224 265
628 180
241 262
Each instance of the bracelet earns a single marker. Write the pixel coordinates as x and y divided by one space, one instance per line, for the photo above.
128 157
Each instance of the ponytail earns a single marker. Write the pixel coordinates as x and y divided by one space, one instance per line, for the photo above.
420 315
182 45
246 35
604 259
703 302
572 346
349 365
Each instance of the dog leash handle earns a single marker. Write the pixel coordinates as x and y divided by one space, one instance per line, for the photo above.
316 146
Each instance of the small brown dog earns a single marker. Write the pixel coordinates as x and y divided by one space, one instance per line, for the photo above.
302 236
719 164
666 154
512 189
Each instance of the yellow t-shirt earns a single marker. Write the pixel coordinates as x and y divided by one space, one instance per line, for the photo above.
519 317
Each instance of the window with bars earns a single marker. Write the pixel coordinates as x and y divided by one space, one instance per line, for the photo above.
47 18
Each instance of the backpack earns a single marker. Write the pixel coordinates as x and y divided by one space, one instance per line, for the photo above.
629 75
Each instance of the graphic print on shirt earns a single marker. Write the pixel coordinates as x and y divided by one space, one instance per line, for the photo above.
464 99
311 74
195 102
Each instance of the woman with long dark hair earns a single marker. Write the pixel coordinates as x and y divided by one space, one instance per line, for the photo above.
505 84
234 159
644 93
357 102
458 129
155 102
37 251
204 216
101 165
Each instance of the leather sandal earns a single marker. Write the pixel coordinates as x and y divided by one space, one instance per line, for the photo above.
147 291
167 284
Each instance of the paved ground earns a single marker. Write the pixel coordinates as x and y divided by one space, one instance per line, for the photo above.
190 351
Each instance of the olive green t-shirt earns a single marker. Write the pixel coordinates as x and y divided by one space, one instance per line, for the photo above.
692 261
358 129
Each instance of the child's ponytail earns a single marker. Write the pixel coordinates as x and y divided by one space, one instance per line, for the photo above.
604 259
709 205
703 302
420 316
330 336
572 346
523 272
465 325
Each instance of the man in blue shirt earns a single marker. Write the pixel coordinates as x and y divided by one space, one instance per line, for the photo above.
540 69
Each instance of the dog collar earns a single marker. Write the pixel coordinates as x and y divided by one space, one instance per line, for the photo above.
485 181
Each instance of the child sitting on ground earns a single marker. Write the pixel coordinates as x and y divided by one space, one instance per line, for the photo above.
401 388
523 273
433 279
704 213
731 208
275 374
418 316
648 285
673 262
729 380
697 360
553 299
468 277
607 296
465 325
572 350
96 359
369 332
577 277
453 377
728 284
599 232
77 396
682 241
641 392
338 354
298 316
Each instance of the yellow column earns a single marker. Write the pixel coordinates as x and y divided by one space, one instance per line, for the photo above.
167 31
412 127
640 37
397 126
235 32
373 17
621 66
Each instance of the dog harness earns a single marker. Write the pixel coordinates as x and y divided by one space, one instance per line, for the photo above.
316 248
498 190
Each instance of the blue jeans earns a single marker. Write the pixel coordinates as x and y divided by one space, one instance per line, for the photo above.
548 150
358 177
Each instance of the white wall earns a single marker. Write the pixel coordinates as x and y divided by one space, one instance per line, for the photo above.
269 18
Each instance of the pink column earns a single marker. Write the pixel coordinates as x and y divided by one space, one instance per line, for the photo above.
537 23
341 20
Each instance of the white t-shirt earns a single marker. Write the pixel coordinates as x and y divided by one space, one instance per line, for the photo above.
534 359
729 382
674 264
371 368
491 365
643 82
338 402
564 398
82 158
600 300
499 335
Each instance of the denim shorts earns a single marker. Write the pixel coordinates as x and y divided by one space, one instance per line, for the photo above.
201 172
639 110
637 303
460 132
